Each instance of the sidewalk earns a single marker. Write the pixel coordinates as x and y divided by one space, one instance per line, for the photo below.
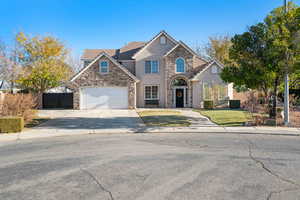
230 130
36 133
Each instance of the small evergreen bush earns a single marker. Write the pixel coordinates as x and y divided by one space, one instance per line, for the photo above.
234 104
11 124
209 104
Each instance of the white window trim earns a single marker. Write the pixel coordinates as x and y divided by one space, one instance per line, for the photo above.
186 95
183 64
100 61
151 92
158 67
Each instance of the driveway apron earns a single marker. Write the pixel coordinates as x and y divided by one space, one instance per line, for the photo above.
90 120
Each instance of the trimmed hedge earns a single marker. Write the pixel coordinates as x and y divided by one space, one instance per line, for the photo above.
208 104
234 104
11 124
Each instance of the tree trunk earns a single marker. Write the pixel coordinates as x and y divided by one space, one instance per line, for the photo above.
39 100
12 85
273 110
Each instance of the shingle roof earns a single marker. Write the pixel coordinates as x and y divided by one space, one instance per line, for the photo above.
90 54
103 53
124 53
201 68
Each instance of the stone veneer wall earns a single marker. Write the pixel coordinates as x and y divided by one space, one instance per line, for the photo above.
92 78
170 73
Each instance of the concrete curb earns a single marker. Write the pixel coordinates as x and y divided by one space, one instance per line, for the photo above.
36 134
240 133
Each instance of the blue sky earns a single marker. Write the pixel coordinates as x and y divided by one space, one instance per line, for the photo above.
84 24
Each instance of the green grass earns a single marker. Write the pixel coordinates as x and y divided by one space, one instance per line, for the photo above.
226 117
36 122
166 118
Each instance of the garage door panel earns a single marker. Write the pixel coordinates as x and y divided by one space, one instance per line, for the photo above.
104 98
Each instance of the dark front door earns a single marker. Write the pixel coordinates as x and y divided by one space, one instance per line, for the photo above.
179 98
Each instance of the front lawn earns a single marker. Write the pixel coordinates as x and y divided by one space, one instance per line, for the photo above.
167 118
226 117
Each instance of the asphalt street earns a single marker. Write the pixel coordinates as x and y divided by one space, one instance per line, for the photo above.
151 166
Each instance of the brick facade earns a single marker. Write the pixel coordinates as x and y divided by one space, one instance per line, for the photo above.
92 78
170 73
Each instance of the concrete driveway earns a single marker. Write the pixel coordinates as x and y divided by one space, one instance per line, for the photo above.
109 121
90 120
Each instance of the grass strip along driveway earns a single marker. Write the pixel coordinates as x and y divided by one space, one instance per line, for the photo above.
228 117
167 118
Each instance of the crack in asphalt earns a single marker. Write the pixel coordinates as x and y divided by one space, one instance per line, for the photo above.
280 191
269 171
98 183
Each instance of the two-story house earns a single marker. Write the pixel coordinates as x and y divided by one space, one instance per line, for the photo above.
162 72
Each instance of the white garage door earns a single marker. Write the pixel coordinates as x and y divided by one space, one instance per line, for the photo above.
104 98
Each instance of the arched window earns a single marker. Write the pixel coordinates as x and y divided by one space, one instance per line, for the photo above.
180 65
179 82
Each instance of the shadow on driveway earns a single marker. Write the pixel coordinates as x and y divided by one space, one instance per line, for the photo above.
116 124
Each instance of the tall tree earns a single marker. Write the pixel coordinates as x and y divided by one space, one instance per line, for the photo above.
74 62
218 48
44 62
259 56
9 66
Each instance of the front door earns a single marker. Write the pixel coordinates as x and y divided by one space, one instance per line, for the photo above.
179 98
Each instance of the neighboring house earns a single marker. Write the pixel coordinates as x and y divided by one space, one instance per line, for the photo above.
6 87
163 73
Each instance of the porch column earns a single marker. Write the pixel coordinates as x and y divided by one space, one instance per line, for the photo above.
184 98
174 97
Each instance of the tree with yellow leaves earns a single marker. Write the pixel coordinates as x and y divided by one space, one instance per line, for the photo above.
44 63
218 48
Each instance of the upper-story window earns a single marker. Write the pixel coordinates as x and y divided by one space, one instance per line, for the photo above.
180 65
86 63
151 67
163 40
103 66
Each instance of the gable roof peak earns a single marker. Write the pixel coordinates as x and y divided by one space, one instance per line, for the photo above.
103 53
153 39
205 67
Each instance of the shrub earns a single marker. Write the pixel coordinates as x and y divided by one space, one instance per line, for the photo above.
294 100
11 124
279 111
270 122
20 105
208 104
294 118
259 120
234 104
